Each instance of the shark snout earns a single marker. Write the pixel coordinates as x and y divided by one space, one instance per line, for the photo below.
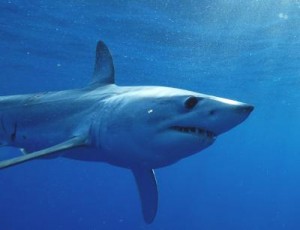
225 114
245 108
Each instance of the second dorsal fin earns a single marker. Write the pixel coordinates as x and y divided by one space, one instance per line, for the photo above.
104 68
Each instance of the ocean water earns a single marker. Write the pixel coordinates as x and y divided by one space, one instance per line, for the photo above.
244 50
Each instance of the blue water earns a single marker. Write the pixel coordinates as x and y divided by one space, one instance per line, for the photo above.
244 50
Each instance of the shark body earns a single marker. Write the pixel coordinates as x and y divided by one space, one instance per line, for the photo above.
140 128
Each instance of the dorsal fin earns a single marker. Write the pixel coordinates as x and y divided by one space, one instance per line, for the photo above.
104 68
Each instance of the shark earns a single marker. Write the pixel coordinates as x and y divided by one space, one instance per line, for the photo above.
140 128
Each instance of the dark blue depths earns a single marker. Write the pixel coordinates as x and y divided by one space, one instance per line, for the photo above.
244 50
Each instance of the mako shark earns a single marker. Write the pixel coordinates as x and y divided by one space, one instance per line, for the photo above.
140 128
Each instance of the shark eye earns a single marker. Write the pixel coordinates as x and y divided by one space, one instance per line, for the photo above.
191 102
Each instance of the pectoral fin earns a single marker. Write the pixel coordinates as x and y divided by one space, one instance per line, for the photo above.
147 186
72 143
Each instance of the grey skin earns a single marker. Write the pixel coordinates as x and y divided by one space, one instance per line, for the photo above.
140 128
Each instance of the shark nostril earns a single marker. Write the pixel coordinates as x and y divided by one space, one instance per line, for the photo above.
212 112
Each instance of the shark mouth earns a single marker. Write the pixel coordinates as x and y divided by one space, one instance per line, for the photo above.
195 131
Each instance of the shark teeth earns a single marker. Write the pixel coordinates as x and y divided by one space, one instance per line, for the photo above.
194 130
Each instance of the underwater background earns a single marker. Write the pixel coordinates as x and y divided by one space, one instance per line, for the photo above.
243 50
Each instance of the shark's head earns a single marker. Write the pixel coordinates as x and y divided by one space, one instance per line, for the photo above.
157 126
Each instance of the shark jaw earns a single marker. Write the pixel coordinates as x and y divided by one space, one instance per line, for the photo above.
201 136
199 132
